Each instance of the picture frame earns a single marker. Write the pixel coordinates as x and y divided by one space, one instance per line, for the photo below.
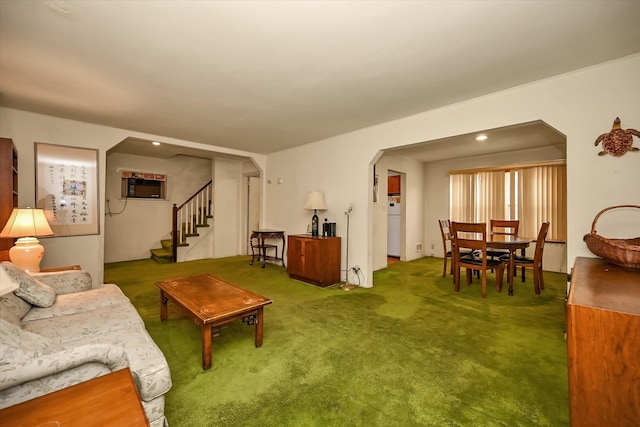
67 188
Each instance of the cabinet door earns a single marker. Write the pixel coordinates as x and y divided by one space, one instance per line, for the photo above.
295 264
312 259
394 185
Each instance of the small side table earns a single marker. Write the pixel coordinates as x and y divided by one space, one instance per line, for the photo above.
109 400
261 246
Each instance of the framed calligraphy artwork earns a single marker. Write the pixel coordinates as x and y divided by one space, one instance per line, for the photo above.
67 188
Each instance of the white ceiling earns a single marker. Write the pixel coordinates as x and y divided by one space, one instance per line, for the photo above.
263 76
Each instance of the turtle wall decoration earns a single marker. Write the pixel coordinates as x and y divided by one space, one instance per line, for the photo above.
618 141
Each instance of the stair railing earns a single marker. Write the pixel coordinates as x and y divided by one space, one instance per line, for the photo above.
190 214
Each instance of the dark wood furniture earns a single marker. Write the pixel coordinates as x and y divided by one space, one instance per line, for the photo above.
445 232
109 400
393 184
535 263
259 247
473 237
8 190
603 344
512 244
314 259
212 302
498 227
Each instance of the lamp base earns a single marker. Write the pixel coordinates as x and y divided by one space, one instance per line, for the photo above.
27 254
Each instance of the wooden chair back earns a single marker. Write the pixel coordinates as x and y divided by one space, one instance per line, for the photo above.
445 231
504 226
473 237
469 235
542 235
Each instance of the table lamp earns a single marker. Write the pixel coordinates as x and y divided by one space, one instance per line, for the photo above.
315 201
26 224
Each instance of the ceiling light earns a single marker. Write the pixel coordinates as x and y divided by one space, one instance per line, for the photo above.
481 137
155 143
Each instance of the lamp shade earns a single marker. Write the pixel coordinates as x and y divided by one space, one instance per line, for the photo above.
315 200
26 222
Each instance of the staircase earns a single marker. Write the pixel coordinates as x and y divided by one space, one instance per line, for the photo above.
164 254
186 219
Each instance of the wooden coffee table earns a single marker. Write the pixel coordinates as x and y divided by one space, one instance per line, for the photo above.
212 302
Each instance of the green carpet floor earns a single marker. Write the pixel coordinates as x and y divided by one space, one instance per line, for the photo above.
408 352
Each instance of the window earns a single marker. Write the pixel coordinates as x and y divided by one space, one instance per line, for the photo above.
143 185
532 194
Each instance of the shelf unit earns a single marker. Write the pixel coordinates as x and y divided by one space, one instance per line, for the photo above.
8 189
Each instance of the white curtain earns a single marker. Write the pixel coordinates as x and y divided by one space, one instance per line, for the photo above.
542 192
462 196
490 200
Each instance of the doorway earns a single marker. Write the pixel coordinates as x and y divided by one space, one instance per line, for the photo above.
253 208
394 216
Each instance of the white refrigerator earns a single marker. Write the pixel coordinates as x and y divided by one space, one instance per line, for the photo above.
393 229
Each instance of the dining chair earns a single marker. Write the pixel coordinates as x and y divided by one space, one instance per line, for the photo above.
447 244
473 237
534 263
507 227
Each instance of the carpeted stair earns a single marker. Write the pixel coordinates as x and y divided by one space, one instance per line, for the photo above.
163 255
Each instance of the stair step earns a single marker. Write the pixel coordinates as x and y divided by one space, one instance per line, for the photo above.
162 256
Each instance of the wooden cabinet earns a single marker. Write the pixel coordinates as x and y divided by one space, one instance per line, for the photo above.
314 259
393 185
8 189
603 342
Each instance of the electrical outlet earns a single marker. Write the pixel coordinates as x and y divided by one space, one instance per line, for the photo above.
418 247
356 269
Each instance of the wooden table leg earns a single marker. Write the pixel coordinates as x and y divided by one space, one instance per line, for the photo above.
259 327
523 252
163 306
264 254
205 331
512 255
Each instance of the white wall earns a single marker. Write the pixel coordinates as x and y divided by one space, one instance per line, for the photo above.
227 206
581 104
25 128
142 223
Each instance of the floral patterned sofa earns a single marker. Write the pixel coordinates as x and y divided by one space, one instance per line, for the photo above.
57 331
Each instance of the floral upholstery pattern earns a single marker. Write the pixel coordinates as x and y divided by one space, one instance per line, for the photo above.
17 345
82 335
66 282
31 290
8 315
15 304
88 301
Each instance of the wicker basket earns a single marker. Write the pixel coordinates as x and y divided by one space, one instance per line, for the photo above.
624 252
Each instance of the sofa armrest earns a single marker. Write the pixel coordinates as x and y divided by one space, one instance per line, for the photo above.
14 374
67 281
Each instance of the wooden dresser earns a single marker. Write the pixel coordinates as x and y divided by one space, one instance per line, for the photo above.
603 341
314 259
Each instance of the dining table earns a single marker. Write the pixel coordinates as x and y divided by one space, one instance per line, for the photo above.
512 244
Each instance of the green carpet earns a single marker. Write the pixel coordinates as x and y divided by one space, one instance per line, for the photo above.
408 352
